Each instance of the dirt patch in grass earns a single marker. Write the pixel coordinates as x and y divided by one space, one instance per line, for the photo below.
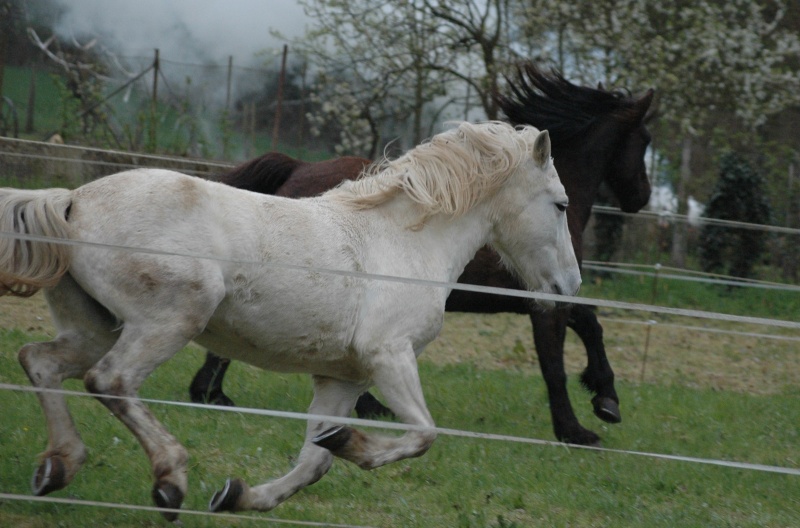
678 351
26 313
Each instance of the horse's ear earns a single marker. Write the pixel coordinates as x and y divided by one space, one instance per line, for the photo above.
653 111
541 149
642 105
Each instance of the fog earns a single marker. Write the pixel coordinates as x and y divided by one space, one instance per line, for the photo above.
184 30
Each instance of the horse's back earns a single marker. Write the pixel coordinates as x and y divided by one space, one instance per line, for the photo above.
281 175
171 212
154 209
314 178
140 190
265 174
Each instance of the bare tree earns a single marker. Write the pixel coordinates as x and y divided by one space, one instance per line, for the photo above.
480 32
372 60
83 77
404 62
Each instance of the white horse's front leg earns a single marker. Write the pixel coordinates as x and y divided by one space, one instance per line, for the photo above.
331 398
397 377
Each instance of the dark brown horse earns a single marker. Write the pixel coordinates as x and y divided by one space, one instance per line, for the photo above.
597 136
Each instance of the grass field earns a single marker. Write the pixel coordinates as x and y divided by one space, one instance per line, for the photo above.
723 397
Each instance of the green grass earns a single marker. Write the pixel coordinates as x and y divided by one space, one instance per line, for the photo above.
460 482
676 293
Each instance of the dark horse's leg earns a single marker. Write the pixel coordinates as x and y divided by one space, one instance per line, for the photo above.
549 330
368 406
206 386
598 376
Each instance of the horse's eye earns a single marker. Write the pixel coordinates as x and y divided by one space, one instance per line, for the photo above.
562 206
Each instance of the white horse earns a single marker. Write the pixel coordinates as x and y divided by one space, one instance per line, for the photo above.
122 313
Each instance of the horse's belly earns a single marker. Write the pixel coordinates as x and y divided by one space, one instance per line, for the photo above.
298 334
312 354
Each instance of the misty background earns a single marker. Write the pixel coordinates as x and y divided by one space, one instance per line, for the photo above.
209 69
185 30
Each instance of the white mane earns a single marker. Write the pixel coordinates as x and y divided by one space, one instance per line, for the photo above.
450 173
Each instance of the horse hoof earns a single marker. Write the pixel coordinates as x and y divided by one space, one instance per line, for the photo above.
606 409
226 498
222 400
334 438
49 477
167 495
218 398
584 438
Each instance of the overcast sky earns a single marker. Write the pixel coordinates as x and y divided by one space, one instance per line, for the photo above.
189 30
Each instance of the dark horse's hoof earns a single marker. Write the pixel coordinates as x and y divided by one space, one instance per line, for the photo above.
167 495
606 409
221 399
580 436
49 477
226 498
334 438
211 398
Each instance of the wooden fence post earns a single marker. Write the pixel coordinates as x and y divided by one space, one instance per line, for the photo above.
281 79
153 139
228 89
31 101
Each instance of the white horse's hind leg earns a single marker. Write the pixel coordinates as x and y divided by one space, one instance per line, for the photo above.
119 374
397 377
331 398
85 334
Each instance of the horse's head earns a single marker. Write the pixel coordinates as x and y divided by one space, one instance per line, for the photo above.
599 135
626 173
530 226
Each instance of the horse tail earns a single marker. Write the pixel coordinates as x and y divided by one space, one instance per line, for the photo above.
27 264
265 174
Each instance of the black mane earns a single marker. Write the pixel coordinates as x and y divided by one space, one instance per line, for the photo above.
549 102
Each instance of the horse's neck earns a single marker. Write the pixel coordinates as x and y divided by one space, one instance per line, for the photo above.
446 240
